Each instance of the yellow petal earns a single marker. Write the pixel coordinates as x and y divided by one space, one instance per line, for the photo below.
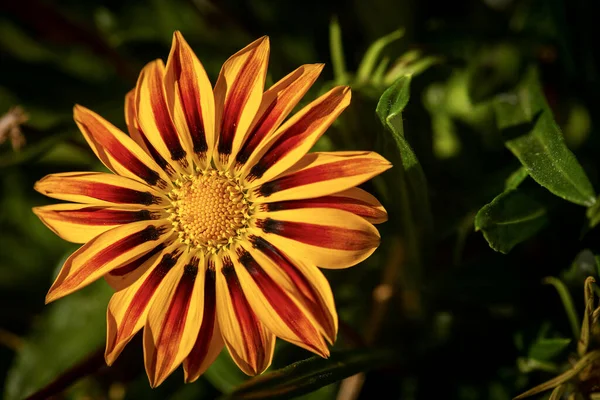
238 95
303 282
106 252
296 136
327 238
322 173
117 150
277 103
190 100
128 308
174 319
98 188
126 274
79 223
249 342
280 312
156 122
354 200
209 342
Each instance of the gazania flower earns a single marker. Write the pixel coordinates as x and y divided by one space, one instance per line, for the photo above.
216 218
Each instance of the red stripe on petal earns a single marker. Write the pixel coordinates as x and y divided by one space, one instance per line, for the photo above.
176 315
310 297
239 93
295 135
164 124
202 345
331 237
138 262
355 206
285 307
109 253
144 294
189 91
319 173
97 190
260 131
249 324
102 216
119 151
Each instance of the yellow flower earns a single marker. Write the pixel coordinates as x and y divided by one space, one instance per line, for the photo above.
216 217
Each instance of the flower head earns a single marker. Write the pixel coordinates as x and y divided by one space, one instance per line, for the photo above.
216 218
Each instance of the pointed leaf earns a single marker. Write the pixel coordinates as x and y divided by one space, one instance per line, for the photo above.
511 218
533 136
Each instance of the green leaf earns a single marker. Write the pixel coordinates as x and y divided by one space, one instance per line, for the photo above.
369 61
408 185
547 349
337 52
311 374
533 136
70 329
567 301
516 178
511 218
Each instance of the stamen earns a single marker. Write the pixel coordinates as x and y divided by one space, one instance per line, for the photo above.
210 210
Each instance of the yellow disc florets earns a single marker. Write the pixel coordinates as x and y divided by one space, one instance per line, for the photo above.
210 210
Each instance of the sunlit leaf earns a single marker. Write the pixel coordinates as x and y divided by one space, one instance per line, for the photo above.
533 136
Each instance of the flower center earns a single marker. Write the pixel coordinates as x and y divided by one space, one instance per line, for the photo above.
210 210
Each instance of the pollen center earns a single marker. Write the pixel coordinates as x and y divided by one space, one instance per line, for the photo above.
210 210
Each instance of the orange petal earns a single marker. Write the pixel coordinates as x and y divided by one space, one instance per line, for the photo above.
79 223
277 103
133 126
249 342
117 150
354 200
304 282
155 119
128 308
97 188
190 99
106 252
129 272
174 319
275 308
209 342
323 173
328 238
238 95
296 136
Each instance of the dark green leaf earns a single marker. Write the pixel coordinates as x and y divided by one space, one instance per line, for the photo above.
511 218
70 329
515 179
310 374
535 139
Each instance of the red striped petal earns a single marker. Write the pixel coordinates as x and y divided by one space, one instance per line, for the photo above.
99 188
106 252
277 103
332 237
295 138
117 151
280 314
155 119
249 343
190 97
354 200
128 308
238 93
138 135
209 342
304 289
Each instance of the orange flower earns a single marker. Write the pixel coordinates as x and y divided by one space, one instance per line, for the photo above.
215 219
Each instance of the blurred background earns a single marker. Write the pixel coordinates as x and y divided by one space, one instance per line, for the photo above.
459 314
